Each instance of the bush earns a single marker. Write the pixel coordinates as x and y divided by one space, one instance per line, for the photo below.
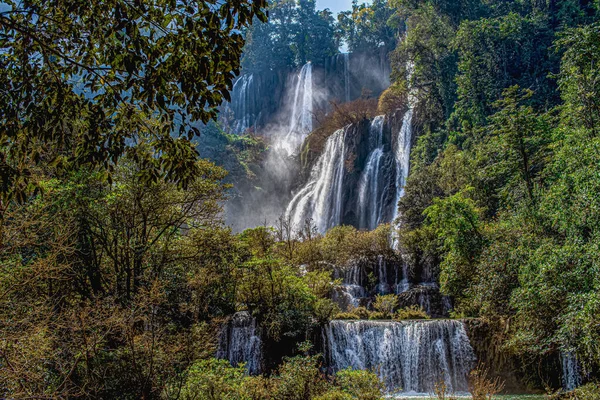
325 310
355 313
440 392
334 394
299 378
346 315
482 386
361 312
392 99
412 312
377 315
589 391
386 304
359 384
213 379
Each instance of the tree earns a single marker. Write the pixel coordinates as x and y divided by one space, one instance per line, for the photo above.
368 27
296 33
80 79
579 78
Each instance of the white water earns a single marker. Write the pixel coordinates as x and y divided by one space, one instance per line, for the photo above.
240 342
301 118
349 293
321 198
571 371
239 103
411 355
369 194
402 155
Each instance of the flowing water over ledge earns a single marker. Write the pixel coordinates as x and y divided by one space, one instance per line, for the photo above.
409 356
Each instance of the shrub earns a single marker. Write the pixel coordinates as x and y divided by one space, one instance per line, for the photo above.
411 312
392 99
325 310
360 384
213 379
361 312
377 315
355 313
386 304
440 391
299 377
334 394
257 388
589 391
346 315
482 386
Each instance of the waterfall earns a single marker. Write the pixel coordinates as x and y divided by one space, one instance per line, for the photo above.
409 355
404 284
301 119
240 100
347 76
382 277
402 155
369 191
321 198
349 293
571 371
240 342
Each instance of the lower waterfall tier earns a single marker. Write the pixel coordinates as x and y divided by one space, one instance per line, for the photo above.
409 356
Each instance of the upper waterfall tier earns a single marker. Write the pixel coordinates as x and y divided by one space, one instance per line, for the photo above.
410 356
273 97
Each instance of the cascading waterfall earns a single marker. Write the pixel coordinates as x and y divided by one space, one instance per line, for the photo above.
571 371
301 119
369 193
239 104
349 293
240 342
410 355
404 284
402 155
321 198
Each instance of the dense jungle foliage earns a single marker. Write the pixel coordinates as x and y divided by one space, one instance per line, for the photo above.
503 191
117 271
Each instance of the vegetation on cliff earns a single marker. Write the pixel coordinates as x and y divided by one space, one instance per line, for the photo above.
502 192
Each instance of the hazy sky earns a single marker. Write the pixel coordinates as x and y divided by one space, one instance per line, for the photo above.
335 5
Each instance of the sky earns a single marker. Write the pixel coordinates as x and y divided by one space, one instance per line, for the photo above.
335 5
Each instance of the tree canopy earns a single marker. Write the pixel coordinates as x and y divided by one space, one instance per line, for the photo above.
83 81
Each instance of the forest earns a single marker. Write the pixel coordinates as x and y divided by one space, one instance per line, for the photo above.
252 199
